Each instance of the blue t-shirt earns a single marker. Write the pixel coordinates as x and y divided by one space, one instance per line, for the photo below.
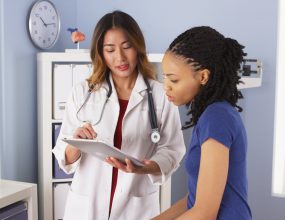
222 122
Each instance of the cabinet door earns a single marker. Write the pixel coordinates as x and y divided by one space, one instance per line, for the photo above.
60 191
57 172
80 72
62 85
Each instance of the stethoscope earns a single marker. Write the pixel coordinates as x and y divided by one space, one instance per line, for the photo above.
155 135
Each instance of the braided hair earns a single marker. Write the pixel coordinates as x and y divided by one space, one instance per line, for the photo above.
205 48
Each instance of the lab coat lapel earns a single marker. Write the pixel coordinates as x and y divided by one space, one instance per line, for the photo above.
114 96
136 96
137 93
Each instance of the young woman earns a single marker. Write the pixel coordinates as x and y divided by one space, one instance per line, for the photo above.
200 68
113 105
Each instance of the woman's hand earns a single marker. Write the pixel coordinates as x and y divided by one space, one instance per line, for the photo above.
85 132
150 167
72 153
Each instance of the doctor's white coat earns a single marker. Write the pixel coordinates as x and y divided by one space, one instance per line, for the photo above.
136 196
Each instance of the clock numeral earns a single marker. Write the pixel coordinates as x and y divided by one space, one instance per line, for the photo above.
49 39
36 32
34 23
44 41
52 33
40 8
45 7
40 38
37 15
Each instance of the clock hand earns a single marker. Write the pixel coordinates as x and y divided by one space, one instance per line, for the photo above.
43 22
49 24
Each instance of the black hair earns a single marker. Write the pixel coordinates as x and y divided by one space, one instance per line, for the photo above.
205 48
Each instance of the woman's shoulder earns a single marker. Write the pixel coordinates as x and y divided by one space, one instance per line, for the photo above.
219 112
80 88
222 107
83 87
156 86
158 93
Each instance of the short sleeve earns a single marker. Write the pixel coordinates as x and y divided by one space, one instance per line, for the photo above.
216 123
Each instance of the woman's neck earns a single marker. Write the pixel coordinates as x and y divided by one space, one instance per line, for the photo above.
124 85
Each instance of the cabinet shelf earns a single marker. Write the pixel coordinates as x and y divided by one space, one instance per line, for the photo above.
62 180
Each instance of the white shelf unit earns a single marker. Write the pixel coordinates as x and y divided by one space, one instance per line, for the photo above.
46 62
14 191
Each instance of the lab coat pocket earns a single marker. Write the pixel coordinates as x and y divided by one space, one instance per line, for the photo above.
144 208
77 207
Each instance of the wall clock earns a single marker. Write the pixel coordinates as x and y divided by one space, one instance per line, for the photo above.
44 24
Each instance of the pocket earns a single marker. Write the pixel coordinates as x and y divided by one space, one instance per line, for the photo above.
144 208
77 207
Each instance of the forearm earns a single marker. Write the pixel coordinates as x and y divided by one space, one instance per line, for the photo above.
152 168
72 154
174 211
197 213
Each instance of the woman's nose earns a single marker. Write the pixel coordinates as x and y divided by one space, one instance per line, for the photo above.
120 55
166 87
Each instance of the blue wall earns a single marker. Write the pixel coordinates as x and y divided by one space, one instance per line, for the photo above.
19 87
1 81
253 23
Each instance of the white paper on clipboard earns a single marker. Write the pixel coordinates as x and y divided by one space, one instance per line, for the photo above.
100 149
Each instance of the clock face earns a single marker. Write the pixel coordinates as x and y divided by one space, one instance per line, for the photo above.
44 24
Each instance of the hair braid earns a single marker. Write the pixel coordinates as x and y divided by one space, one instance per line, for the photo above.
205 48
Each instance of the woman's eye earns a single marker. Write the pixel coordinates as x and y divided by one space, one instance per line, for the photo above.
127 46
109 51
174 81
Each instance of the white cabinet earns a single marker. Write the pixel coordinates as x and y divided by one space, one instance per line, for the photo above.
18 199
65 76
61 73
60 191
57 73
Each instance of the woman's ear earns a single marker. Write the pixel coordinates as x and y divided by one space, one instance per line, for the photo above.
204 76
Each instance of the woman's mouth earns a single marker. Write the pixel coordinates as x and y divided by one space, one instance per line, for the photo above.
170 98
123 67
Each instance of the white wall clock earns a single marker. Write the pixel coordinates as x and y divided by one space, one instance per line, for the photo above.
44 24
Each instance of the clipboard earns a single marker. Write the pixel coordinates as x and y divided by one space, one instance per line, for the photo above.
100 149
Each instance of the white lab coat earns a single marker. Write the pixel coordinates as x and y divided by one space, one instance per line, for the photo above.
136 196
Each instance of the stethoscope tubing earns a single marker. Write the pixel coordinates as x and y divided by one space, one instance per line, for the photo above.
152 113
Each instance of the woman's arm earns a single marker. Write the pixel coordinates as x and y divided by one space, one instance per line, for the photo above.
150 167
169 150
72 153
211 183
177 209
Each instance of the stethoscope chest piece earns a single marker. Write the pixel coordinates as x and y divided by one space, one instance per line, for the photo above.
155 136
